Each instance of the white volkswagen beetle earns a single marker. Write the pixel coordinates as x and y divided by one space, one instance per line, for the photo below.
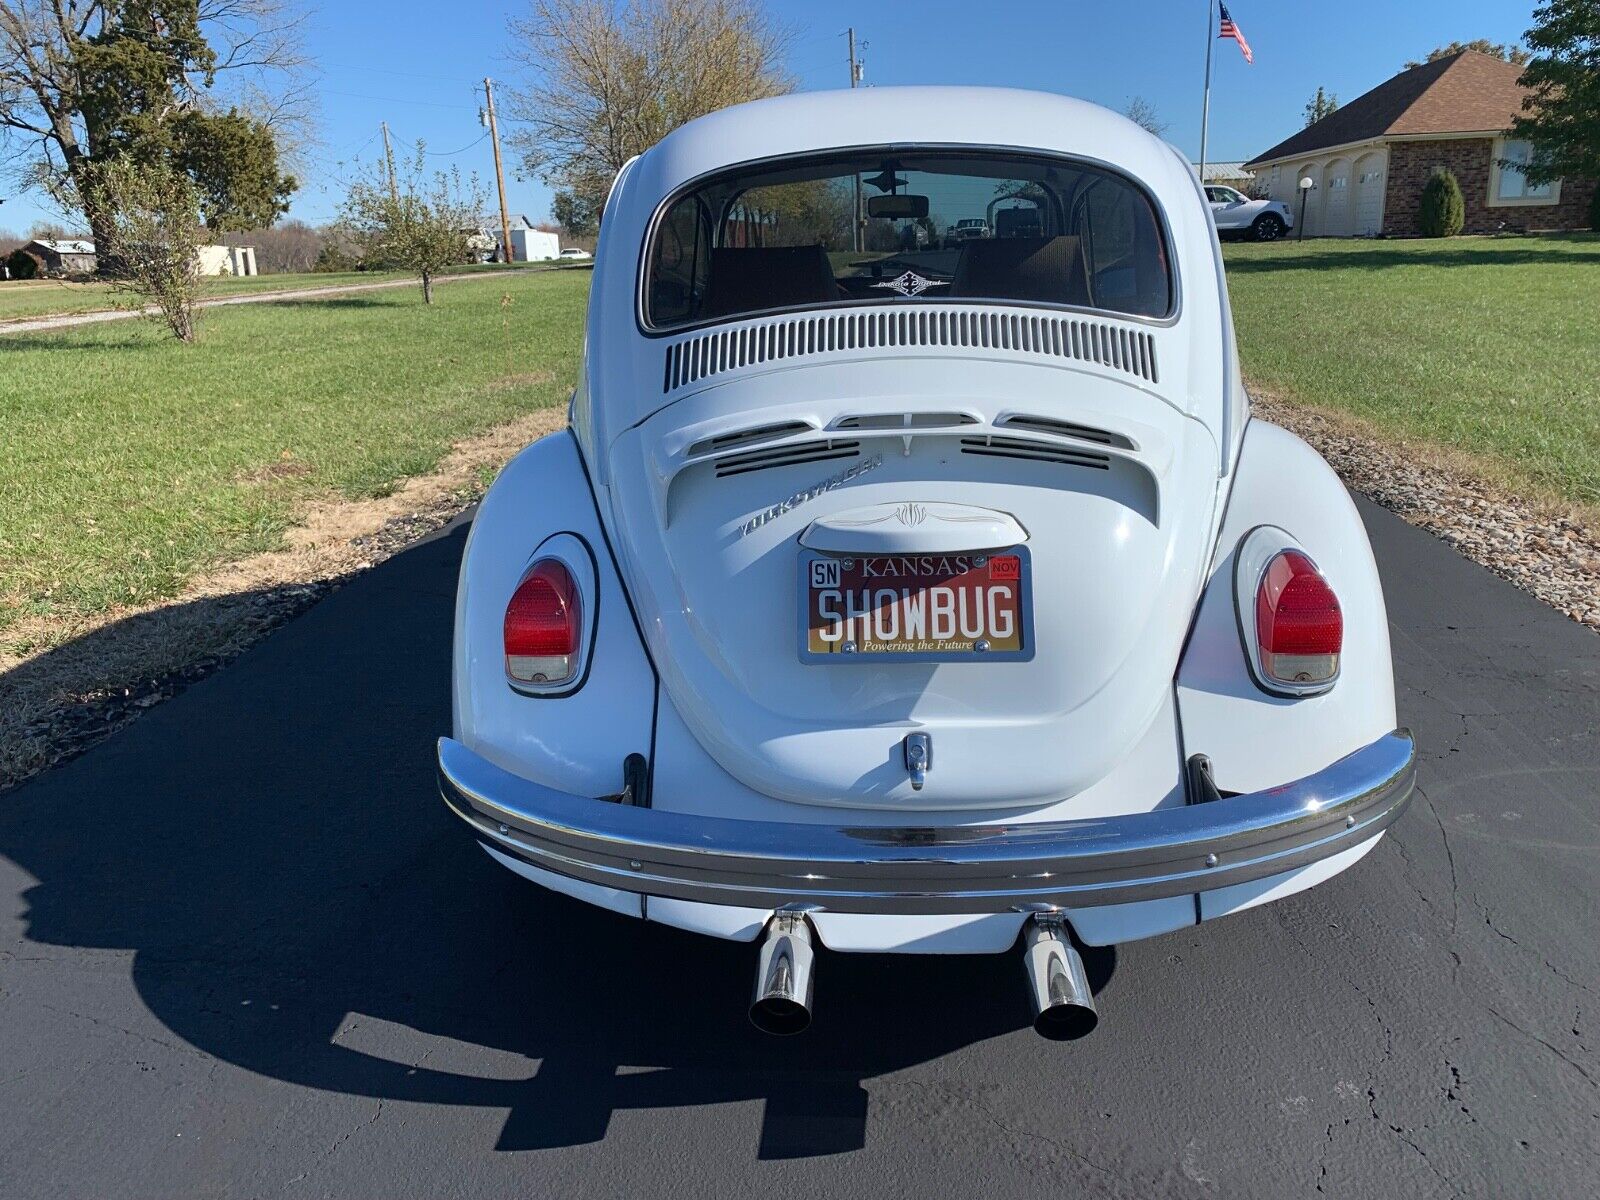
919 600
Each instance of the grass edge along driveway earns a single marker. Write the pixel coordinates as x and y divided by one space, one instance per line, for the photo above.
1485 346
134 462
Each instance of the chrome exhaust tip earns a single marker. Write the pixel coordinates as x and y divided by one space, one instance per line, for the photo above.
782 1003
1058 986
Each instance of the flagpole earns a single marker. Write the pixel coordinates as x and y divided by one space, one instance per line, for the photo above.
1205 105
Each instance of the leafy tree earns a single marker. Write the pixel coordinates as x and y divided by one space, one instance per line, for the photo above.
21 265
1323 104
153 211
580 217
608 79
1143 114
414 222
1561 114
1442 212
1512 54
86 81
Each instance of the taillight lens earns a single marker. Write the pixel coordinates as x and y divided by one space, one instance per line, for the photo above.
1299 628
544 626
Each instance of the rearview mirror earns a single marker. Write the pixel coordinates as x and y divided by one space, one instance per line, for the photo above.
898 208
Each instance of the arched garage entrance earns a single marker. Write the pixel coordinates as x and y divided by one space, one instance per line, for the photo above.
1336 216
1369 170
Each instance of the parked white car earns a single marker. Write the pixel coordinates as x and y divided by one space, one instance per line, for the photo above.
902 601
1234 212
575 254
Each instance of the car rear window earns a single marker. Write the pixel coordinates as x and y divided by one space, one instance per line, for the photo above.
895 226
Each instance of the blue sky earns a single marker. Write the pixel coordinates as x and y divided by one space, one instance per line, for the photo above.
403 62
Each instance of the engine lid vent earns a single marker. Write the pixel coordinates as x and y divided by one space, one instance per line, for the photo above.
912 420
1085 433
746 437
1035 451
786 456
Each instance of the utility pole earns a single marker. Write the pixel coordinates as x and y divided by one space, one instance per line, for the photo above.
499 173
855 81
388 162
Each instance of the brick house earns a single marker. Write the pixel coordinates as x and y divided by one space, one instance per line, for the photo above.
1370 158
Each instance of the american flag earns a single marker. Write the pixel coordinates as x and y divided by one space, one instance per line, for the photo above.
1229 30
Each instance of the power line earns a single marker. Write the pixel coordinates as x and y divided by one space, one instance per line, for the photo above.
453 153
399 100
344 66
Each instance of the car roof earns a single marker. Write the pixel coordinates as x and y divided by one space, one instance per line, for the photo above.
807 122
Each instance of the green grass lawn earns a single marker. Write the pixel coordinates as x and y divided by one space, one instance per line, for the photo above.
20 300
1486 345
132 461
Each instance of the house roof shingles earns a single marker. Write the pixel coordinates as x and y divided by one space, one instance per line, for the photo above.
1469 92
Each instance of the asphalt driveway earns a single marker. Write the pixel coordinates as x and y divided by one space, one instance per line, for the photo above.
245 951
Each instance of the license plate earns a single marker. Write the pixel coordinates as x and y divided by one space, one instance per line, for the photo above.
917 607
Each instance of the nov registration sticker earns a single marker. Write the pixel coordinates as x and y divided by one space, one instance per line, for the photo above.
916 607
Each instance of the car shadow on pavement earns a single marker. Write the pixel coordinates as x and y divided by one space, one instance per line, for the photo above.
300 904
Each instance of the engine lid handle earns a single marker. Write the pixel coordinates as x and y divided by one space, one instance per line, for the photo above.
914 527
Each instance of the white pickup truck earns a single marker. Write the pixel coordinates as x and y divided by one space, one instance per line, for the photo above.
1233 212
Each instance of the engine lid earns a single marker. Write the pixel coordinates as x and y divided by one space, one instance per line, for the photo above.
1117 534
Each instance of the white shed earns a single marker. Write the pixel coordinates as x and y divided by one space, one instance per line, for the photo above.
227 260
534 245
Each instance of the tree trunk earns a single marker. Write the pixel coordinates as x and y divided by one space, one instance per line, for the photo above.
427 287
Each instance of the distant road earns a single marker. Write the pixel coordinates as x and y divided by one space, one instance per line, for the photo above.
41 324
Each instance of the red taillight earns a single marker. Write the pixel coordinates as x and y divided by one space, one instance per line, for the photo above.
543 627
1299 628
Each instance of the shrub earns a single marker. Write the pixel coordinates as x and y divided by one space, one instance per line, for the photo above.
22 265
1594 211
1442 213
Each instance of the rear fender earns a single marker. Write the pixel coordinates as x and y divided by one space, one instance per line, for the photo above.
1256 740
576 741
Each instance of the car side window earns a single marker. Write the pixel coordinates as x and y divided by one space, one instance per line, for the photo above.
683 263
1123 247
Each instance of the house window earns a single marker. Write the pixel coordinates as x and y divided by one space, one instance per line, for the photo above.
1507 183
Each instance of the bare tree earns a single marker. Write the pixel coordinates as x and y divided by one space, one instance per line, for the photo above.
248 62
155 214
607 79
420 224
1143 114
287 247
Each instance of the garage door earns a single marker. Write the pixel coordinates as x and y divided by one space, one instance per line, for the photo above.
1369 196
1336 200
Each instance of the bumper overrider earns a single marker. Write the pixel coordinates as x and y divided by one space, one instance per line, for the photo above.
934 869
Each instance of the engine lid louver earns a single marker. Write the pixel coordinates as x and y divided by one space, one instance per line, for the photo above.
786 456
1123 348
1034 451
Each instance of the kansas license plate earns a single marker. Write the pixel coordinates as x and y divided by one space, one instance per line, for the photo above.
917 607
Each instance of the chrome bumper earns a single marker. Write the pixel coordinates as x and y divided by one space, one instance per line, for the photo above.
935 869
